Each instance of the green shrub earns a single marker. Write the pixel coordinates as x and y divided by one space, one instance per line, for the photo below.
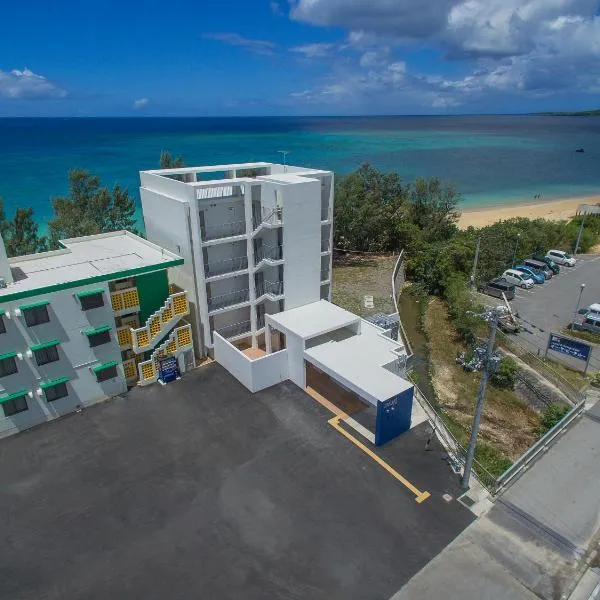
551 415
596 379
505 376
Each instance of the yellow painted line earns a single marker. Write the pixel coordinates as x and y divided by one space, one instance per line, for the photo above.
419 496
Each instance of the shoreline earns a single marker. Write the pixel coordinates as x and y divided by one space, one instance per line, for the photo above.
553 210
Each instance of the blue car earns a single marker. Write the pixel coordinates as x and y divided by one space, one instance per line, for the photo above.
537 277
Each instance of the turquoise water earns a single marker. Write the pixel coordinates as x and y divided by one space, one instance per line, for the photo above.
492 159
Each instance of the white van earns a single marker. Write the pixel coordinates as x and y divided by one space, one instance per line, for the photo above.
517 278
561 258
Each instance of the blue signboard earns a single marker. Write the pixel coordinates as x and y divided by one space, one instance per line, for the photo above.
393 417
168 369
569 347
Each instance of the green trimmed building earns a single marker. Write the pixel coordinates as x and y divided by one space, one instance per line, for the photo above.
84 323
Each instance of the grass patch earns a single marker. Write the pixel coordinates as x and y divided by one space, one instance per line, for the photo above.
574 378
357 277
508 425
587 336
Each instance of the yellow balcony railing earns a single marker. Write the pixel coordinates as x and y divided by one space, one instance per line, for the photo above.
125 301
124 337
130 369
159 323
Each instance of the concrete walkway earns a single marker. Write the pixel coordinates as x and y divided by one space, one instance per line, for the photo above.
530 544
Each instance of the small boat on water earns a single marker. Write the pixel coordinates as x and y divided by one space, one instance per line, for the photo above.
580 150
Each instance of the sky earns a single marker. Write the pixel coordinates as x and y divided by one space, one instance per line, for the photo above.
298 57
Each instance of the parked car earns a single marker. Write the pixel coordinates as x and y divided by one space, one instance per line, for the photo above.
517 278
539 267
551 264
496 287
537 277
561 257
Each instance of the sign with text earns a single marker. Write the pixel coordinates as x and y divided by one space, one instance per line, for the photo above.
569 346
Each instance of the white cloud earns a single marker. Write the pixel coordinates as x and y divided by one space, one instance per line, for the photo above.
26 84
234 39
140 103
313 50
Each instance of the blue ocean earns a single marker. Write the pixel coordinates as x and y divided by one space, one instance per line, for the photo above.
492 159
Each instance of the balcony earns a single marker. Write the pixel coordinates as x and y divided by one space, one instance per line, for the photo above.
260 322
324 275
224 230
125 301
268 253
234 330
273 288
268 221
230 299
325 214
229 265
325 246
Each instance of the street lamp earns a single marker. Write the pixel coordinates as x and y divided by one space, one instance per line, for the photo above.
577 307
515 252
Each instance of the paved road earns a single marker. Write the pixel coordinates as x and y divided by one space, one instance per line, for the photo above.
528 545
203 490
550 306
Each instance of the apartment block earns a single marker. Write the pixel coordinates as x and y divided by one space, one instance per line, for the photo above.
256 239
82 324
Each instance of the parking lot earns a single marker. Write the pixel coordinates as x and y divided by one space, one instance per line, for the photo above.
202 490
549 307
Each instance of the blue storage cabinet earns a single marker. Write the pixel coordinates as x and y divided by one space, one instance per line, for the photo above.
393 416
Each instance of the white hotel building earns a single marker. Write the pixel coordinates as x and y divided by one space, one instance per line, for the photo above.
256 239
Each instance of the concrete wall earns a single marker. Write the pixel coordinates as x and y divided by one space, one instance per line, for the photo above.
257 374
67 324
295 348
302 243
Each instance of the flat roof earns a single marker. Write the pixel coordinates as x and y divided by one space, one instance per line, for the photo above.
358 363
313 319
85 260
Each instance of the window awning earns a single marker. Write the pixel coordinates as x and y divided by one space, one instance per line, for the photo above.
8 355
53 382
90 293
106 365
34 305
45 345
14 396
98 330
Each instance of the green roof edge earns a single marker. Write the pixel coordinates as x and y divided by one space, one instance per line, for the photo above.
12 396
97 279
34 304
106 365
45 345
48 384
7 355
98 330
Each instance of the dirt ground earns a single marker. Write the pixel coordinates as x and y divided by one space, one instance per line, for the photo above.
357 275
507 424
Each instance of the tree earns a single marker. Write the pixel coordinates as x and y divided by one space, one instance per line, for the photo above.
506 373
368 206
20 234
90 209
170 162
551 415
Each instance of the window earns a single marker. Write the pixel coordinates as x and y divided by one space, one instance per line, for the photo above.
56 391
90 301
2 325
106 372
14 405
97 338
8 365
36 315
46 355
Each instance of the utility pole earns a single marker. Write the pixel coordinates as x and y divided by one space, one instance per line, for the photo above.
582 287
474 270
492 318
515 252
579 235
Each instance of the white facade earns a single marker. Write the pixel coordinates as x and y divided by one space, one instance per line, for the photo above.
67 323
256 239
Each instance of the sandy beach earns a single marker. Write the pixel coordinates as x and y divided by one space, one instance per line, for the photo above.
554 210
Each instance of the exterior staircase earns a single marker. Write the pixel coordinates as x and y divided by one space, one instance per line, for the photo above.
267 221
179 340
160 323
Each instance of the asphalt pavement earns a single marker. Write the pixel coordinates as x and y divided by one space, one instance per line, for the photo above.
201 489
549 307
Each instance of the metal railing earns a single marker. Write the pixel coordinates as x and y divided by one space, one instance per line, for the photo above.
229 265
325 275
397 283
230 299
540 446
235 329
324 214
269 287
215 232
260 321
271 218
325 246
268 253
